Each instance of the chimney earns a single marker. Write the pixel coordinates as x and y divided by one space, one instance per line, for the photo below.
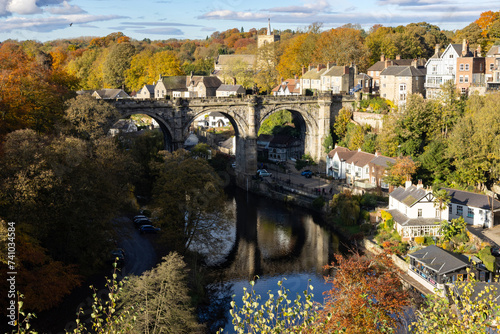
382 57
310 67
436 50
465 47
398 57
414 63
346 69
376 153
355 70
327 66
281 80
234 81
388 63
359 149
420 185
479 49
303 70
318 68
296 76
407 184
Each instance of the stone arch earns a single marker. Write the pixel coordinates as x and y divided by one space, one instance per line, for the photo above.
308 123
165 127
237 121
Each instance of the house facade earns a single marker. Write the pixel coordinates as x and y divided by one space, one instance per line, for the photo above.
283 147
476 209
311 80
398 82
364 82
230 90
414 213
167 85
375 70
212 120
288 87
146 92
492 68
337 79
202 86
441 68
470 69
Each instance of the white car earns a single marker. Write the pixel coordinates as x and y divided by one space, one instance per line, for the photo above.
263 172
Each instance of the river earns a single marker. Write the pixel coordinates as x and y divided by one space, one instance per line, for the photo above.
270 242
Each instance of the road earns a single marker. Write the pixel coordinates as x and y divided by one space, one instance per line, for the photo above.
140 255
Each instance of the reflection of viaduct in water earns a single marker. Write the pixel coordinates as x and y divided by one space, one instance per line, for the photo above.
268 244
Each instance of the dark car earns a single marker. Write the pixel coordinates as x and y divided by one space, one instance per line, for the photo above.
307 173
118 255
149 229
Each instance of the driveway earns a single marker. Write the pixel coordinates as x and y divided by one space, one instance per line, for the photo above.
491 235
140 255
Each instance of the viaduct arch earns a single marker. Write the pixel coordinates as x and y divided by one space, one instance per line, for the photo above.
246 114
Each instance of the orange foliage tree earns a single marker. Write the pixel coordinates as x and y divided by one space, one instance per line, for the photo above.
367 296
485 20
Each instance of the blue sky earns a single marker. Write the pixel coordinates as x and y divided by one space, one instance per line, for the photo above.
45 20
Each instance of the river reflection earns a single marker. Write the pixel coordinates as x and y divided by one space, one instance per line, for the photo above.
271 241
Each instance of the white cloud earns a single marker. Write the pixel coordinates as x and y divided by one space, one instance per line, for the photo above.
231 15
23 7
160 31
66 8
311 7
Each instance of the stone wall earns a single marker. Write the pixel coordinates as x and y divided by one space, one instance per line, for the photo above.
374 120
374 248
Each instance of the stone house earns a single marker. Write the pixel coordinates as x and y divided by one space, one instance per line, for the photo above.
337 79
146 92
398 82
441 67
375 70
202 86
284 147
167 85
287 87
492 68
311 80
470 69
230 90
364 82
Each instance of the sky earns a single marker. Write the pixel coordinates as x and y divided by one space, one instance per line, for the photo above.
46 20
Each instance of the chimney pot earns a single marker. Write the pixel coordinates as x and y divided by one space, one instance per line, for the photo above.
407 184
382 57
398 57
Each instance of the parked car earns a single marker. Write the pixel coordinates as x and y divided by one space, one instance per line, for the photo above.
149 229
307 173
117 255
139 217
263 172
233 165
143 221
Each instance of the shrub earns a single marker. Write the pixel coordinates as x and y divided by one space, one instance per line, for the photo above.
389 224
318 202
365 228
429 241
382 236
365 215
368 200
385 215
419 240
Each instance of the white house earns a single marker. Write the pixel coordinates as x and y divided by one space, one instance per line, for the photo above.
476 209
287 87
146 92
414 213
213 120
441 67
335 162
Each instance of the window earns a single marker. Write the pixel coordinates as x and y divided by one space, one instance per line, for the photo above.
464 90
461 67
461 80
366 170
466 78
481 67
450 210
420 212
451 56
492 66
402 87
460 210
466 67
470 213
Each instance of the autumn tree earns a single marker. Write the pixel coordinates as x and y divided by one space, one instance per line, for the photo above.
486 20
266 76
367 295
190 202
342 120
239 70
401 171
160 299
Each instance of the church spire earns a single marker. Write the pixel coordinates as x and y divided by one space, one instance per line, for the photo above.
269 26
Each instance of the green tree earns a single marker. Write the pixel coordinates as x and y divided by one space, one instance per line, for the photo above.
441 199
470 308
345 209
453 228
160 299
266 76
90 118
239 70
342 120
190 202
116 64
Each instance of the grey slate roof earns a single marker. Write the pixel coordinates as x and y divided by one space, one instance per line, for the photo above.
467 198
111 93
314 74
150 88
404 71
174 82
210 82
380 65
228 88
334 71
403 220
383 161
408 196
439 260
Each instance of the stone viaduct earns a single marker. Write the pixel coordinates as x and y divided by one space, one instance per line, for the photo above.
315 114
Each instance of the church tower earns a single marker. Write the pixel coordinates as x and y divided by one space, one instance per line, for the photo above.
268 38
